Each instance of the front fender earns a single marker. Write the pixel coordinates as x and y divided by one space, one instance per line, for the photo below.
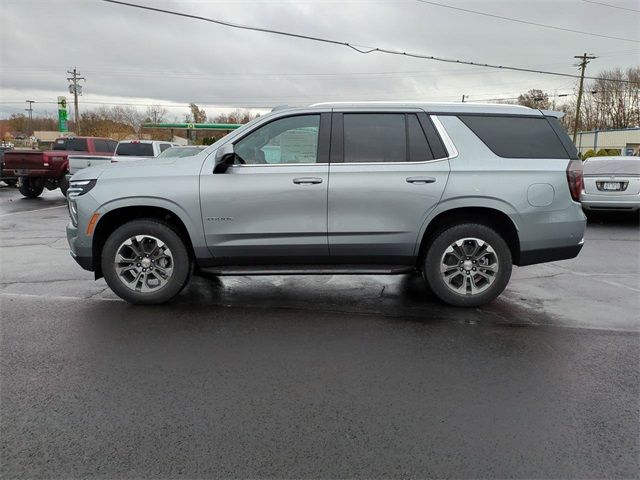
192 224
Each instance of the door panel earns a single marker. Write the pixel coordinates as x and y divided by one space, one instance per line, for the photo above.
374 211
378 196
272 209
264 211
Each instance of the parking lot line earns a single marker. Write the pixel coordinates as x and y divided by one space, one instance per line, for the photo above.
30 211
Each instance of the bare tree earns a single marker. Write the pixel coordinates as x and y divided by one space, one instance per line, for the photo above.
198 115
535 98
608 102
156 114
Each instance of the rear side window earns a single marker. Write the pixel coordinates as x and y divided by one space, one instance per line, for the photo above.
101 146
135 149
164 146
374 137
516 137
419 150
71 144
112 144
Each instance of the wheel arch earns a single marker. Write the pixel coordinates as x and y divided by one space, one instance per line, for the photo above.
496 216
118 215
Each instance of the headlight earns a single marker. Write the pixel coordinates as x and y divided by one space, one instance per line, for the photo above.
76 189
73 211
79 187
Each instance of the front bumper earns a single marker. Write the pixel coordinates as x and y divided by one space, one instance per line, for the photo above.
80 253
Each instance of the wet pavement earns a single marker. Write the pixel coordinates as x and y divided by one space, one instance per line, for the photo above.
316 376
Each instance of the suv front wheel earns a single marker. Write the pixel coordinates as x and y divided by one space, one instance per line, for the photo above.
468 265
145 262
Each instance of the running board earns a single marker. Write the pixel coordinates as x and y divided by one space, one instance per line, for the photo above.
306 270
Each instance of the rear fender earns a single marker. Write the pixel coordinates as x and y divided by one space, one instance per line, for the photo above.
469 202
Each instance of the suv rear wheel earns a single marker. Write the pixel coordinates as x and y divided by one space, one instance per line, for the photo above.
468 265
145 262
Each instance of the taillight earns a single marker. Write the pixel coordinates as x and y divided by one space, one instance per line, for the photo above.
575 179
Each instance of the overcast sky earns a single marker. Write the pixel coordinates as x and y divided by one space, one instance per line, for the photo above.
131 56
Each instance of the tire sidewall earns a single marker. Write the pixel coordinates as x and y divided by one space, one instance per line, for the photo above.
28 189
64 186
443 240
162 231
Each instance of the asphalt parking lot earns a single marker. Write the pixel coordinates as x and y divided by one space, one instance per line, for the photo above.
322 376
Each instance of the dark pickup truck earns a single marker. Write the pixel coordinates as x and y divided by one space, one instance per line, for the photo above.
37 170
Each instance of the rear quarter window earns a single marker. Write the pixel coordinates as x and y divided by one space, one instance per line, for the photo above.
517 137
135 149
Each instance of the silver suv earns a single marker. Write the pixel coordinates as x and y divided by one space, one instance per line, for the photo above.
459 192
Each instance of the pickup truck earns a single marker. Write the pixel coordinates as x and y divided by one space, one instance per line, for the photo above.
126 151
37 170
6 176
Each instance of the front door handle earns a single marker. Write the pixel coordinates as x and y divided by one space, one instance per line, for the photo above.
421 180
307 180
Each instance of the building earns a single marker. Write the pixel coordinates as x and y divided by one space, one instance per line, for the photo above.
627 140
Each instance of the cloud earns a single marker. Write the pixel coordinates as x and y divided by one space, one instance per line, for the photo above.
134 56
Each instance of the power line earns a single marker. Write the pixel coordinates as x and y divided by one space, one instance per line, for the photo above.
526 22
611 6
357 48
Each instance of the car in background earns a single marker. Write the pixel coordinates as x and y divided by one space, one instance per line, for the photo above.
182 151
130 150
6 176
125 151
611 183
37 170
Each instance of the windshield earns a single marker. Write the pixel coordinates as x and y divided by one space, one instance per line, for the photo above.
175 152
71 144
135 149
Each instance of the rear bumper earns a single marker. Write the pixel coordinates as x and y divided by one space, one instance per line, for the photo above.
28 172
531 257
610 202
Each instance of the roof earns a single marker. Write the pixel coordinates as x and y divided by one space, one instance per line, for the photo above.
433 107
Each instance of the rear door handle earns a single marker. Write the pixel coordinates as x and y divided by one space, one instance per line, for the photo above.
421 180
307 180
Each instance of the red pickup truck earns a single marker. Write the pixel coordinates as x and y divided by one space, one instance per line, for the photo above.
37 170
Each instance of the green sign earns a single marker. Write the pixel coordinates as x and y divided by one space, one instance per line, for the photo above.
62 115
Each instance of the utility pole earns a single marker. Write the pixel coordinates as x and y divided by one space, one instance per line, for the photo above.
76 89
584 60
30 110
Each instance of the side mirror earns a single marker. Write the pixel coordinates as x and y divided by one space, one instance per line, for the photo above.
225 157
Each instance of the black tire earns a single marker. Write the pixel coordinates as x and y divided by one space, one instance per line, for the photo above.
435 254
30 189
181 261
64 185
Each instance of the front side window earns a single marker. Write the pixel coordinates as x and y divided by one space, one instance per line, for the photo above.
287 140
374 137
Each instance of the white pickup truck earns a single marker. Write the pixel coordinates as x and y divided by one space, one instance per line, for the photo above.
126 151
